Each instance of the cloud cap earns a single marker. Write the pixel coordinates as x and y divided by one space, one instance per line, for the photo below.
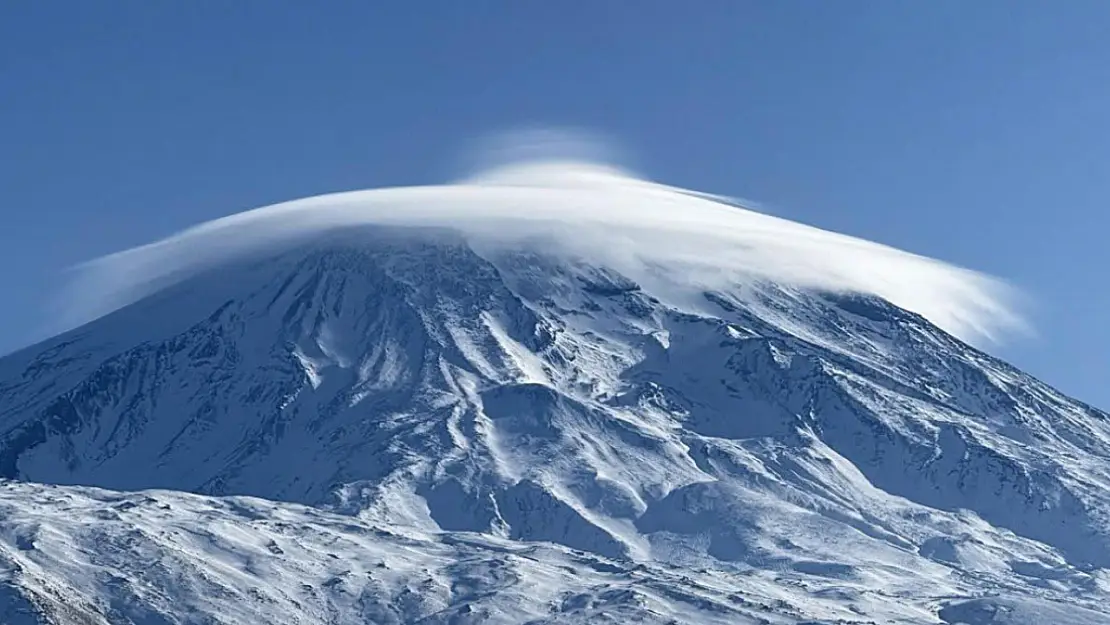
599 213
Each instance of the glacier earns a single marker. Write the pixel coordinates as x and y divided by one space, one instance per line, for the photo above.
497 401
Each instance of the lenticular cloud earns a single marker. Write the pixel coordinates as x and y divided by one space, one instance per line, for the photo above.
680 240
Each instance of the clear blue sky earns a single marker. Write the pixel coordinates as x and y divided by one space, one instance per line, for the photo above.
973 131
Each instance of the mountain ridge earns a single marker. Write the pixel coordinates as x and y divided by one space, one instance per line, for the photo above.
747 450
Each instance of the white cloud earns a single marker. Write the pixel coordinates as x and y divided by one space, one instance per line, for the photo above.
600 213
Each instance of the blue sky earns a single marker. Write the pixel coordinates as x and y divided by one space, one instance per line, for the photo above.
976 132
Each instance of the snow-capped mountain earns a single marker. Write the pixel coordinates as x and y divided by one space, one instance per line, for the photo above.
385 420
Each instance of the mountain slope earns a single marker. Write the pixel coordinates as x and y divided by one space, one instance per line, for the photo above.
523 433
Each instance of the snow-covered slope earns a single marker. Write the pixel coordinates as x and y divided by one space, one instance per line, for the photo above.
401 422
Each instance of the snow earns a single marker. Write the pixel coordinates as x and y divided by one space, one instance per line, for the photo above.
1016 611
395 423
70 554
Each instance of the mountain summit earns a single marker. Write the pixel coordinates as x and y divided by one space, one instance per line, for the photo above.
549 394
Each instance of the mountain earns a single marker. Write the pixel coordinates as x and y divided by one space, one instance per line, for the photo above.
375 420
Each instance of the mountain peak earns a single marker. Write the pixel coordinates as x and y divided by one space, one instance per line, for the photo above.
686 241
684 412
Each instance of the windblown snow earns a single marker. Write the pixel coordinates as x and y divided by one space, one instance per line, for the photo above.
550 393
